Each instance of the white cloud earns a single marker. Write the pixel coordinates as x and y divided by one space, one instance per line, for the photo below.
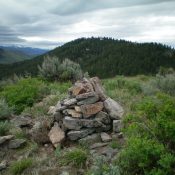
51 22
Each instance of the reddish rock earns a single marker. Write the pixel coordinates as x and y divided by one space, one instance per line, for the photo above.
91 109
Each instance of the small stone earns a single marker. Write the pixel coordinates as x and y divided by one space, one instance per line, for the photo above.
113 108
95 81
59 107
77 108
88 123
3 165
85 95
69 102
89 100
73 113
97 145
103 128
72 123
76 135
105 137
52 110
90 139
16 143
56 135
117 125
3 139
22 121
103 117
91 109
77 89
58 116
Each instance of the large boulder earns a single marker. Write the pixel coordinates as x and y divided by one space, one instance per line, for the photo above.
56 135
113 108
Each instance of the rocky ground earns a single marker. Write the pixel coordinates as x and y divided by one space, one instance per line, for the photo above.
87 117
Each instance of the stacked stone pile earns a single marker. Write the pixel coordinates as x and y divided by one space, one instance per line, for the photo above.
86 110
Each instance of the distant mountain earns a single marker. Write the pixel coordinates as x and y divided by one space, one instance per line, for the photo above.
30 51
14 54
104 57
8 56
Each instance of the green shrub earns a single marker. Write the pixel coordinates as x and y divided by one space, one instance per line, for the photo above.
53 69
24 93
5 110
4 128
145 156
163 83
151 140
76 157
18 167
102 167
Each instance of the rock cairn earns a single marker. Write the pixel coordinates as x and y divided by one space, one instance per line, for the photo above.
86 110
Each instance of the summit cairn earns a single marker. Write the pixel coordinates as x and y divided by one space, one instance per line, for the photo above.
85 111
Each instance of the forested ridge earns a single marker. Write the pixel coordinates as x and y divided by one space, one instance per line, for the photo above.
104 57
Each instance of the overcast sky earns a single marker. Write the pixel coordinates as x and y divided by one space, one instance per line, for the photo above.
49 23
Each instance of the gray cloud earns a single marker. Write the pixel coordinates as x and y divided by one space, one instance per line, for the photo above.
49 23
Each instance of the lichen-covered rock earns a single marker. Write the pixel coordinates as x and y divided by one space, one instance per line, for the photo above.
91 109
85 95
105 137
56 135
117 126
69 102
103 117
91 139
76 135
89 100
72 123
22 121
98 88
113 108
16 143
3 139
73 113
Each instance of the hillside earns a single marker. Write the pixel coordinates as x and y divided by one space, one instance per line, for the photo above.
105 57
8 56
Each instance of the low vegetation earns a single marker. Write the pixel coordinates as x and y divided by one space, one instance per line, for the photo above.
53 69
4 127
76 157
18 167
5 110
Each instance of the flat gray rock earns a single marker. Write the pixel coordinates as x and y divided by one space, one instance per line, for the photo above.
76 135
72 123
16 143
105 137
98 145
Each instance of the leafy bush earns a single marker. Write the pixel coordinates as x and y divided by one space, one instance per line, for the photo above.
24 93
18 167
53 69
163 83
151 140
76 157
5 110
4 128
146 156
